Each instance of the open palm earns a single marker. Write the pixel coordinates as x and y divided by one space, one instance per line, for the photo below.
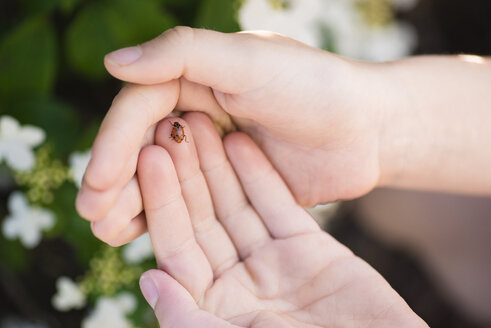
236 250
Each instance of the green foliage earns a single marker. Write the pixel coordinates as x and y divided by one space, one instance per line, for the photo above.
219 15
108 274
67 6
104 26
58 119
13 254
48 175
28 59
38 7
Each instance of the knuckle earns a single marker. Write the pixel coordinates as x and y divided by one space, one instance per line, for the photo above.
178 36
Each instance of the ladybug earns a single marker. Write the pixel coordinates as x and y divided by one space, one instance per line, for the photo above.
177 132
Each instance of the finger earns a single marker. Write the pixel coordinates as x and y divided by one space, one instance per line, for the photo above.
209 233
233 210
133 112
173 305
134 229
199 98
93 204
176 249
128 205
266 190
206 57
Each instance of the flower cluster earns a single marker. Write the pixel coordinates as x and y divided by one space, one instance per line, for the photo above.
41 175
46 175
111 312
363 30
26 222
16 143
108 273
68 296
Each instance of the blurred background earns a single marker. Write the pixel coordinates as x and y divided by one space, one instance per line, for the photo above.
435 250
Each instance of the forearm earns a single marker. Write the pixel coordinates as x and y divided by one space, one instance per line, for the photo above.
436 124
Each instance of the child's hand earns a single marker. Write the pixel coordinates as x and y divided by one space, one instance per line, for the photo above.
306 108
236 250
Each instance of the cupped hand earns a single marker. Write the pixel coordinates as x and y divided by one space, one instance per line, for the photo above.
235 249
313 114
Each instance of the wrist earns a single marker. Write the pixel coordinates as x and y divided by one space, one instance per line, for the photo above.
395 130
382 106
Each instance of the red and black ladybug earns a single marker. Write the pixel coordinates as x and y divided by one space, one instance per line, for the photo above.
177 132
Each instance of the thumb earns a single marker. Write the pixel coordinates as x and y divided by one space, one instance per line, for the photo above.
173 305
205 57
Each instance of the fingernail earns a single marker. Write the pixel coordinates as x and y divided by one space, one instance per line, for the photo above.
149 290
125 56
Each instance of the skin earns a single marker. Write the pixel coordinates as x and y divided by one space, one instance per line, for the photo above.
332 127
312 125
225 227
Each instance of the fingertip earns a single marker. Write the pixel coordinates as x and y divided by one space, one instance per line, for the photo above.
134 229
237 143
208 141
84 206
149 287
200 121
156 173
93 205
151 161
103 169
102 235
123 57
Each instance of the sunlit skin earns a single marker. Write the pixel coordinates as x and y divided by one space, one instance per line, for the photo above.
332 127
236 249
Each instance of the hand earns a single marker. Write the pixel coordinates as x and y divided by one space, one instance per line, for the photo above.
236 250
306 108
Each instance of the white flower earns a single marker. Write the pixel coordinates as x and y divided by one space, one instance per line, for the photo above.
26 222
111 312
68 296
350 35
388 43
78 164
138 250
299 20
355 39
16 143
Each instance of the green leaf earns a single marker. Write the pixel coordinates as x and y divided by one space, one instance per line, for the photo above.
71 227
139 21
60 122
219 15
38 7
67 6
28 59
89 38
13 254
106 25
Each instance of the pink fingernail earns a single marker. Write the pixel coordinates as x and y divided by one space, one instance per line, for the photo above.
125 56
149 290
